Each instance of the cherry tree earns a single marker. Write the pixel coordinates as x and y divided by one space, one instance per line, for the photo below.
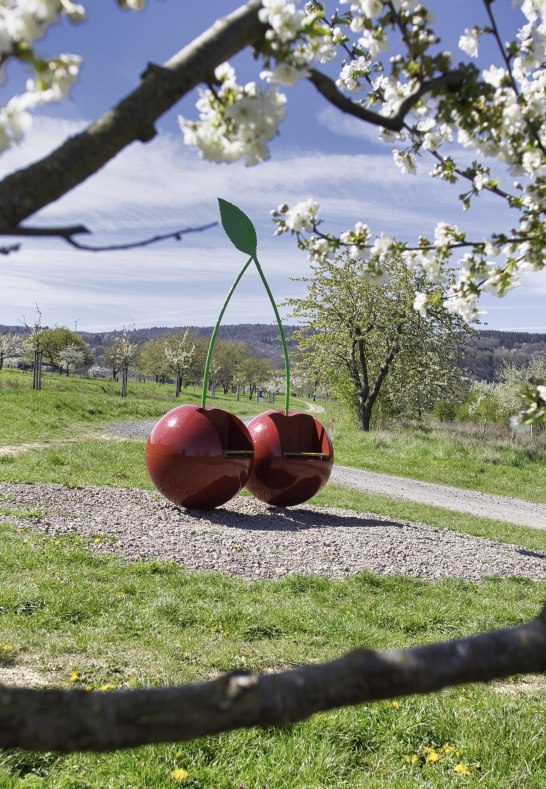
12 347
382 62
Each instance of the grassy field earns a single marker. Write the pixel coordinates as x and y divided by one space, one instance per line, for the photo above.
68 406
74 619
80 620
464 456
458 455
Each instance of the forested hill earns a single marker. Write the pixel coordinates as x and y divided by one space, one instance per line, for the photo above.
490 349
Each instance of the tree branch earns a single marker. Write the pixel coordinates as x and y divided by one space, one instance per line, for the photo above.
177 234
67 233
78 720
26 191
327 88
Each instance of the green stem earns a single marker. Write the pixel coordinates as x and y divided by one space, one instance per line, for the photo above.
281 330
215 332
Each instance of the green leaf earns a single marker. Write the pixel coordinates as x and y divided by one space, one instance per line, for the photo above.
239 229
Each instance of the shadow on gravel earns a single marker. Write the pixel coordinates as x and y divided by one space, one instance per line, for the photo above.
534 554
285 519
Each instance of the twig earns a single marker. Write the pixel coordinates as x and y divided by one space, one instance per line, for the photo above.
177 234
67 233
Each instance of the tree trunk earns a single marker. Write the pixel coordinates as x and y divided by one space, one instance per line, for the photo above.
178 385
364 414
1 359
123 391
37 377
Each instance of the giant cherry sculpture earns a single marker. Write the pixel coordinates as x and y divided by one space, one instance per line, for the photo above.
201 457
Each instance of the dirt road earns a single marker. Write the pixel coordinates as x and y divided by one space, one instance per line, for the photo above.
502 508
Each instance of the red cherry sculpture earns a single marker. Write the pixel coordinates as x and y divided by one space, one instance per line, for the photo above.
199 457
293 457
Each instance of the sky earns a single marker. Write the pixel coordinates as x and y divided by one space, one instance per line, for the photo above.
163 186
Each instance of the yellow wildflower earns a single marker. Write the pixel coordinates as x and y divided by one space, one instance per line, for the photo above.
73 676
462 769
395 703
448 749
107 687
179 775
431 755
413 759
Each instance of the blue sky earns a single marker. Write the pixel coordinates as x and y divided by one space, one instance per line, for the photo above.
163 186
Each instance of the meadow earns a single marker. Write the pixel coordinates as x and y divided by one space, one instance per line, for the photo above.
71 618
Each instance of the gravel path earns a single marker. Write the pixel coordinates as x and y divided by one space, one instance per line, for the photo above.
502 508
248 539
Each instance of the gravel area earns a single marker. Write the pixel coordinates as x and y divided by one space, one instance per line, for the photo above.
249 539
486 505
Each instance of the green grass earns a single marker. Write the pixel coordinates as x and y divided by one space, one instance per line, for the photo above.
78 619
66 406
451 455
65 612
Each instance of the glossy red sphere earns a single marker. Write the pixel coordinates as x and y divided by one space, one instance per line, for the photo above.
199 457
293 457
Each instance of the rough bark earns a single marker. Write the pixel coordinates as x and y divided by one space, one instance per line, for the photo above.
73 720
26 191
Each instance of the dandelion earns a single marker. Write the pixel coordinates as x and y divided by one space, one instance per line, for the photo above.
462 769
448 749
179 775
108 686
431 756
413 759
395 703
74 676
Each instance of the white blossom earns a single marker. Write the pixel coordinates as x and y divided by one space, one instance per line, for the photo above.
285 73
469 42
420 303
302 216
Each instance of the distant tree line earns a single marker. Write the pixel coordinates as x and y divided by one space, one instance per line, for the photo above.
487 354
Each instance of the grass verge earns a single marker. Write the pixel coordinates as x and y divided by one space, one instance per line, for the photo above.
443 454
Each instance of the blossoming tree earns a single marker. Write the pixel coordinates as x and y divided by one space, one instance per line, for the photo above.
390 72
